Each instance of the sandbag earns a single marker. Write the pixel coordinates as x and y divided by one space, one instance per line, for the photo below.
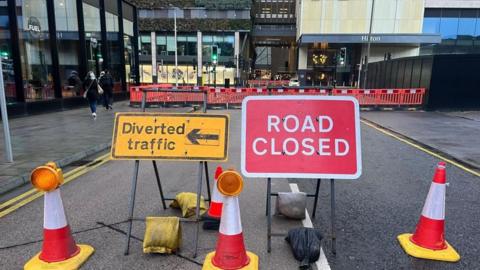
187 202
162 235
305 244
291 204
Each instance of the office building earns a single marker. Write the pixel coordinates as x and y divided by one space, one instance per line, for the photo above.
42 42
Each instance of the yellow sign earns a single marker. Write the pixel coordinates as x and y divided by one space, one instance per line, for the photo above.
170 136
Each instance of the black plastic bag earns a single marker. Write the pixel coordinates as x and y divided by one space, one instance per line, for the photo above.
210 223
305 244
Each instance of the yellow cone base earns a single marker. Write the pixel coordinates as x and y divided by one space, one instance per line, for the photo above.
252 265
448 255
73 263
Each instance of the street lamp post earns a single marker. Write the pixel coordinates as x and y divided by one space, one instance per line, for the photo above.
175 38
6 128
369 41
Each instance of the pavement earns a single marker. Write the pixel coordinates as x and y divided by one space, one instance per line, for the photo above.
370 212
64 137
453 133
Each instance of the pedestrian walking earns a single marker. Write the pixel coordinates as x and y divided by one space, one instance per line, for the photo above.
90 87
106 82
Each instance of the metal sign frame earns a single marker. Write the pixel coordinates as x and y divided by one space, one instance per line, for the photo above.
202 168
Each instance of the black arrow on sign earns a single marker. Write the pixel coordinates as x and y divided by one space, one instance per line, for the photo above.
193 136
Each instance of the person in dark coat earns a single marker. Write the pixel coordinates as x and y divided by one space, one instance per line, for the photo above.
106 82
91 92
75 83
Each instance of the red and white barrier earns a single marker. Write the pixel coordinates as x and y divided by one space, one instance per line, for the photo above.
235 96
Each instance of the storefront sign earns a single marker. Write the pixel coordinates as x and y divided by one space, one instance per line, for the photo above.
170 136
34 27
301 137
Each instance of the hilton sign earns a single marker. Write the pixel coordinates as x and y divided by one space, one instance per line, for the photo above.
372 38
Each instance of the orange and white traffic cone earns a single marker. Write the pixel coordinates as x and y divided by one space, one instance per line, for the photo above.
428 241
216 204
230 252
59 250
212 218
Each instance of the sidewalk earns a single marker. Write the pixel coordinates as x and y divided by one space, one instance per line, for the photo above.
454 133
63 137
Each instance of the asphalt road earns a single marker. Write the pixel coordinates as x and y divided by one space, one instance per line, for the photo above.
371 212
387 201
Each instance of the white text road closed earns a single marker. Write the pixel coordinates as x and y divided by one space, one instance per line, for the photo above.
301 136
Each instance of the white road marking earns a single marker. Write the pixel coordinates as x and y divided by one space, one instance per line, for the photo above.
322 263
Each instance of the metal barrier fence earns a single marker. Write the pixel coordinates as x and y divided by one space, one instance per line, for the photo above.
234 96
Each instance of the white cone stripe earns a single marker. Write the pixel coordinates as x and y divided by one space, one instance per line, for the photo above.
230 223
217 197
434 207
53 212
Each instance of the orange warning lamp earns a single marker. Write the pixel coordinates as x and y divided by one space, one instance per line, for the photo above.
230 183
47 177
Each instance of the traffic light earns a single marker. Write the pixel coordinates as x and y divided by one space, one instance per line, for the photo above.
343 56
214 54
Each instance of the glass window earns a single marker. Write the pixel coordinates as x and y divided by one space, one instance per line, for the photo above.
68 47
6 55
467 21
113 46
161 44
130 65
91 18
466 31
207 40
35 48
93 36
171 45
449 28
192 45
66 15
145 44
182 45
431 25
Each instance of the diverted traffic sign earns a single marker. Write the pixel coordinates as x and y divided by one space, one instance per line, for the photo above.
170 136
301 137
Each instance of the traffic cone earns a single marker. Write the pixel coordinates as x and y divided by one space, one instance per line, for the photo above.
59 250
230 252
212 218
216 204
428 241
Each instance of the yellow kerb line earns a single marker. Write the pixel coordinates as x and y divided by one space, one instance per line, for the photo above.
456 164
69 176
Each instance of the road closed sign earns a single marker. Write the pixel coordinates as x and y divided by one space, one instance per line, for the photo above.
301 137
170 136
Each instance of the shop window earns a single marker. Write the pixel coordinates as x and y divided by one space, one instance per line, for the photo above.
161 44
34 45
68 47
113 44
145 45
6 56
128 38
93 36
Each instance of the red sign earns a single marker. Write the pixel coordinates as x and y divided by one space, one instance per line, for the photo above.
301 137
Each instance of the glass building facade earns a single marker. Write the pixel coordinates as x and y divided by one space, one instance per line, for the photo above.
42 42
459 29
187 54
